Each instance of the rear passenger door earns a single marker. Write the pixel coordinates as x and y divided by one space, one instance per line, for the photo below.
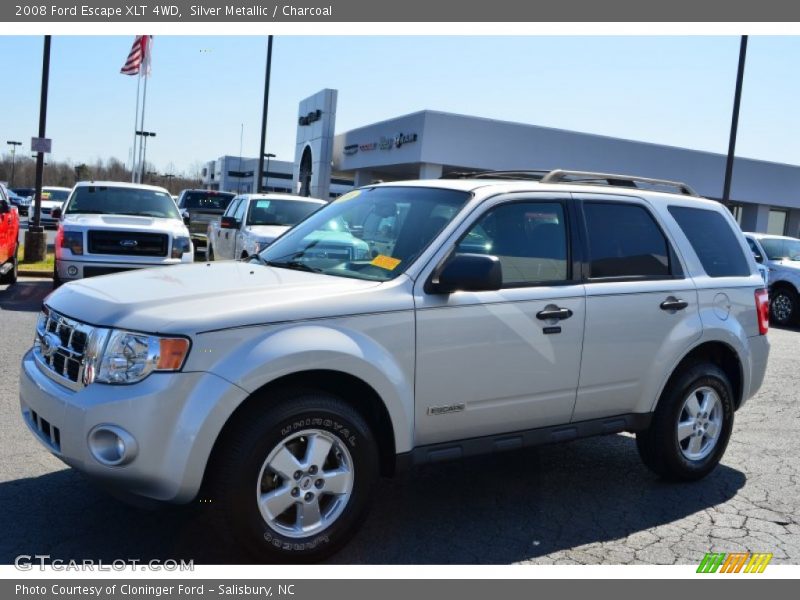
641 311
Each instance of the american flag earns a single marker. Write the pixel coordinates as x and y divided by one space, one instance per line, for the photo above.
139 56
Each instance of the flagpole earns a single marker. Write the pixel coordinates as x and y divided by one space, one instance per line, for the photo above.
135 120
141 128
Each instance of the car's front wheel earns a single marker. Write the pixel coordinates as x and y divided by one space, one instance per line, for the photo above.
293 481
783 306
691 425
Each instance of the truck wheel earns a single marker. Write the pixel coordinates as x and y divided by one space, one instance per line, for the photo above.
11 276
293 482
691 425
783 306
56 279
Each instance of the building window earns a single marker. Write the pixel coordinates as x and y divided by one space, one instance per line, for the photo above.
776 225
736 211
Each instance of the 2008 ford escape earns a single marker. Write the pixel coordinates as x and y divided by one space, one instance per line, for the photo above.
464 316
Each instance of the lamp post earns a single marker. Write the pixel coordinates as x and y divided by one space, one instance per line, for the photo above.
13 145
737 100
268 155
264 112
145 135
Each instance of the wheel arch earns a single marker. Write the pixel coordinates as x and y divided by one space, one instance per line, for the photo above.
719 353
352 390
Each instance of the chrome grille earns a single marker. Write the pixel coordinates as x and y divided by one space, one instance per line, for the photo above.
65 348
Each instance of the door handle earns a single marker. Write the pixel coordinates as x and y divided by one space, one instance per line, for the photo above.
673 303
553 312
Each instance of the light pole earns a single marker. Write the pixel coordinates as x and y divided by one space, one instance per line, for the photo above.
268 155
145 135
265 111
737 100
13 145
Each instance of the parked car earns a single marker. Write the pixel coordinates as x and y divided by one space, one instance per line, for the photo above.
24 192
52 198
19 202
9 238
107 227
200 207
489 313
781 256
253 221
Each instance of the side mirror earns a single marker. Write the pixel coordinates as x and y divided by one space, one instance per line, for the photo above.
758 257
4 208
56 213
228 223
468 273
186 220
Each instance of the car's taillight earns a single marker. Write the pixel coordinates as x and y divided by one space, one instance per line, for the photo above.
762 308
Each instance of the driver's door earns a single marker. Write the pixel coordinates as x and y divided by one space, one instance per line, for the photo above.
490 362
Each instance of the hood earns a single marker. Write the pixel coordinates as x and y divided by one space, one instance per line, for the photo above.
267 233
787 263
124 223
204 296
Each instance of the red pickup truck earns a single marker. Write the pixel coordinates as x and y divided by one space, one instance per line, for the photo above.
9 238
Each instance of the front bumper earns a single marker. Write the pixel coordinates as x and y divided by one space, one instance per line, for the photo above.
759 355
174 418
69 270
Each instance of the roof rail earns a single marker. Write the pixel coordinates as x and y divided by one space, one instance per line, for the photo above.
524 174
590 177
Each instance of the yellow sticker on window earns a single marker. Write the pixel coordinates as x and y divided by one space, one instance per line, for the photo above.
386 262
348 196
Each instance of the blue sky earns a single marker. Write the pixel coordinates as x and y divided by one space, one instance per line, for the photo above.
668 90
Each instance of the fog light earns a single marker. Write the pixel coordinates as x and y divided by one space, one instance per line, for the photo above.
112 446
72 270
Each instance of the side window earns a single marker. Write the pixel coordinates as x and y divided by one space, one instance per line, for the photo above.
530 239
714 241
229 212
239 214
624 242
753 248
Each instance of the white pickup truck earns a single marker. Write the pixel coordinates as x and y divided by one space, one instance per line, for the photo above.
107 227
252 221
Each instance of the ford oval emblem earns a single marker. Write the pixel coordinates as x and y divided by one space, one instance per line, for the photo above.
128 243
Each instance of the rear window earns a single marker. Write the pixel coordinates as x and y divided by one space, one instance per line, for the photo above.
714 241
206 200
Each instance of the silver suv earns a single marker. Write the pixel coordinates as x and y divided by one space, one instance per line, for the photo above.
406 323
781 256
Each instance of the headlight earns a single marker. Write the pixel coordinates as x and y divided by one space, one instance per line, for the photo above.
180 246
72 241
130 357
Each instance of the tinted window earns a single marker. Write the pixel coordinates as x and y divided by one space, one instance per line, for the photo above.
530 239
122 201
624 241
753 248
714 241
206 200
279 212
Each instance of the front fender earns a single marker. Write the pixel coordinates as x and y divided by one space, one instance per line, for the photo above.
377 349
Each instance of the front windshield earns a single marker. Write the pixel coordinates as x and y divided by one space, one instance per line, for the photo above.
279 212
122 201
778 248
55 195
373 233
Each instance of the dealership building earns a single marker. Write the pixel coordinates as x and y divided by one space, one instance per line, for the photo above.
765 196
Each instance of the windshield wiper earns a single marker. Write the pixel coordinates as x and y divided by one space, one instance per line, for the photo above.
292 264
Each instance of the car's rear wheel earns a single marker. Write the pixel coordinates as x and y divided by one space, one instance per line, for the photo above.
783 306
11 276
293 481
691 425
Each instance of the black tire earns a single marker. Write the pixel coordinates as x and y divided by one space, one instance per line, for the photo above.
784 306
658 445
56 279
11 276
230 492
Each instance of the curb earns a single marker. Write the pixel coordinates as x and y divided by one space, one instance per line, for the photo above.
44 274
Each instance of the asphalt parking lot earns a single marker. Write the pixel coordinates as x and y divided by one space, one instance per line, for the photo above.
586 502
